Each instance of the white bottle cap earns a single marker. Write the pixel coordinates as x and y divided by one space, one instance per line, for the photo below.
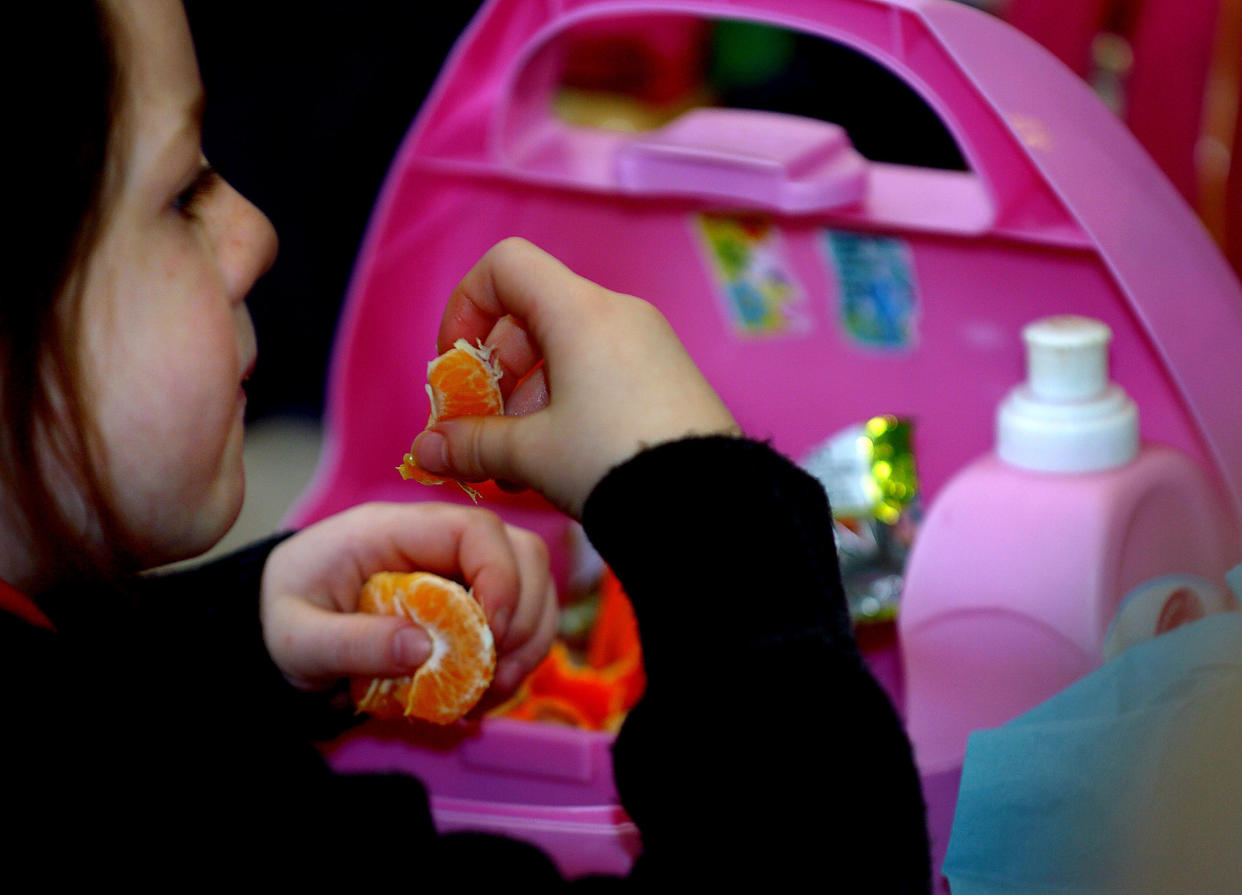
1067 416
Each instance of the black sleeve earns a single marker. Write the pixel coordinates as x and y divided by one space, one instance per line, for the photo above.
213 608
763 748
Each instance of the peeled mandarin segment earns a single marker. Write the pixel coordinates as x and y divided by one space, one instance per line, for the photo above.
463 653
464 381
409 470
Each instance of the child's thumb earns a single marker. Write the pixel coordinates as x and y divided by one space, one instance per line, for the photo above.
469 448
320 646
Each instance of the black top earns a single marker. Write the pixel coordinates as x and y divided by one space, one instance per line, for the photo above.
152 733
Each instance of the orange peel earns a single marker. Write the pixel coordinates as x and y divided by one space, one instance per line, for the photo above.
550 710
463 654
597 694
463 381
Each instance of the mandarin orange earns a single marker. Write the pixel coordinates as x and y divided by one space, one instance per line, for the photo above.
463 656
463 381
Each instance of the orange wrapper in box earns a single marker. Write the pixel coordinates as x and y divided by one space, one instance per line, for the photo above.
595 695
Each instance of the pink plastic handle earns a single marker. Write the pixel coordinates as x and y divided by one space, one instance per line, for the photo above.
893 32
772 160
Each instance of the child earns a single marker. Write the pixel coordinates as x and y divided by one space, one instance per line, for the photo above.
163 722
126 347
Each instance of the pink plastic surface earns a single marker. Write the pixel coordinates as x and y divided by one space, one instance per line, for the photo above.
1172 42
550 784
1061 212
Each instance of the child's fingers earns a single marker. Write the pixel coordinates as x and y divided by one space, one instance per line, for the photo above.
465 317
470 544
617 379
318 646
513 351
492 568
514 277
472 448
529 396
327 563
537 589
513 667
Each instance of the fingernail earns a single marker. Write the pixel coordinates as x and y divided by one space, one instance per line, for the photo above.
500 624
509 673
500 679
431 452
411 647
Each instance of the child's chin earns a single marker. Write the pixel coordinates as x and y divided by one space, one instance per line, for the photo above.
207 526
230 508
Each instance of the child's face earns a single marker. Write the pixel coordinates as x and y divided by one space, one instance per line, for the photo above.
166 339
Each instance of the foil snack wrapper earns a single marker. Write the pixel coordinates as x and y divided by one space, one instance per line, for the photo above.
870 475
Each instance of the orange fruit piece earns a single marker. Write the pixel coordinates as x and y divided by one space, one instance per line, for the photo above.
463 381
463 654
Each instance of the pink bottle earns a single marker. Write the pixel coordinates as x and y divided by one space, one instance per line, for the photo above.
1028 555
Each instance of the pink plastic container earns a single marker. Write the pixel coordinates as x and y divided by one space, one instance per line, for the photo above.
1060 212
1002 612
1070 543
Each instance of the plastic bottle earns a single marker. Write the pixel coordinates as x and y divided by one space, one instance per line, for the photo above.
1029 555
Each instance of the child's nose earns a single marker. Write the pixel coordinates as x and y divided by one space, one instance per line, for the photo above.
246 244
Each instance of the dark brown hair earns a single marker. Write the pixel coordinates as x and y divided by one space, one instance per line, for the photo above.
60 115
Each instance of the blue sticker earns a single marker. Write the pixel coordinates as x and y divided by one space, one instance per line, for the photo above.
879 306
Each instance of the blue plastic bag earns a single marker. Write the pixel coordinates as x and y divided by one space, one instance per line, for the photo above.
1129 781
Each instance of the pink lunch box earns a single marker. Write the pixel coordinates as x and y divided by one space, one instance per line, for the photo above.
869 288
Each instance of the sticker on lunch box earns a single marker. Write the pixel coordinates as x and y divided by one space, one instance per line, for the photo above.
875 277
759 292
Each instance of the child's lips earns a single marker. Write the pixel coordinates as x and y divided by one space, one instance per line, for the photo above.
245 377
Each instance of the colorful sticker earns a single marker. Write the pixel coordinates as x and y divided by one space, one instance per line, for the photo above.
875 276
759 292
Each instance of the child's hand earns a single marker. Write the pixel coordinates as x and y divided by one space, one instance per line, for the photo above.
615 379
311 584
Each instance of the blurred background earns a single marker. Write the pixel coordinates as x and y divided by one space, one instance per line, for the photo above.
307 104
